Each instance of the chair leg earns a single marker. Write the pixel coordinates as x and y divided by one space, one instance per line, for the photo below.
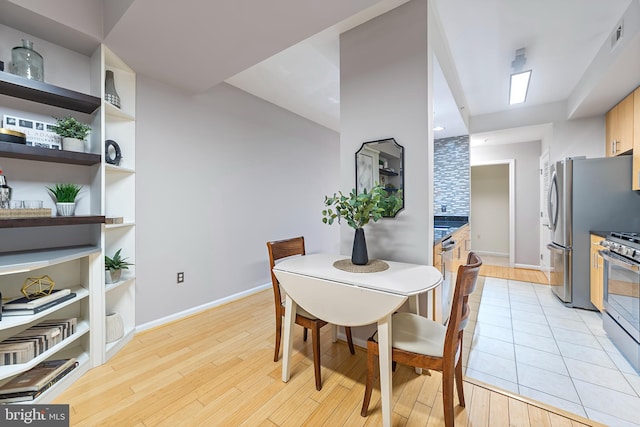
315 338
371 370
347 331
304 334
447 398
276 355
459 385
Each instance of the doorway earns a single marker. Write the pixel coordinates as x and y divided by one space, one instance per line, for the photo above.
493 211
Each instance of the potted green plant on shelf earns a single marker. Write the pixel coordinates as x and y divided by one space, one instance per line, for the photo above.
113 266
65 195
357 210
73 133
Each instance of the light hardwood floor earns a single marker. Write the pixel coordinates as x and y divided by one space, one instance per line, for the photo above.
521 274
216 369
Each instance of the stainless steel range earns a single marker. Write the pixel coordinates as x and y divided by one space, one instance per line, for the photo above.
621 320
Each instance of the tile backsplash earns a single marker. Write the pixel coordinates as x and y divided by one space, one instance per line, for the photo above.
452 176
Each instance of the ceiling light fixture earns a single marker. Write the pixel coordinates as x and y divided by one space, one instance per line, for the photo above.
438 128
519 85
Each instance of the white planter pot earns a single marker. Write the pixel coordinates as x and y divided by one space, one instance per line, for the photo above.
65 209
73 144
112 276
114 327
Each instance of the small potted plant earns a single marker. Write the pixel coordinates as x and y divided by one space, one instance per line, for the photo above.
113 266
73 133
65 196
357 210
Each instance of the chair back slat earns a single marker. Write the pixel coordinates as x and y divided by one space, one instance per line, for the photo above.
282 249
465 285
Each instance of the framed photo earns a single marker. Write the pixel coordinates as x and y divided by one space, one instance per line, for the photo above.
38 133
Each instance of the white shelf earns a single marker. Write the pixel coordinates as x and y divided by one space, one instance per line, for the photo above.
118 169
13 321
124 282
123 225
116 113
11 370
31 260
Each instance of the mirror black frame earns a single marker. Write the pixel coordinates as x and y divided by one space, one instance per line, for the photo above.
391 173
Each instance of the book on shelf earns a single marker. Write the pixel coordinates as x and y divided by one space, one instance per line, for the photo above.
34 341
28 303
32 383
14 353
10 311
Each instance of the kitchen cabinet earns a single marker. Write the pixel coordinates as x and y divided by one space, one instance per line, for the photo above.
596 272
619 131
635 177
448 255
71 249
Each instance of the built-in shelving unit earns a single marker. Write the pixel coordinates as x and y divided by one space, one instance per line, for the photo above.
71 250
119 195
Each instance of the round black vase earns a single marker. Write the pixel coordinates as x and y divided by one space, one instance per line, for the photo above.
359 254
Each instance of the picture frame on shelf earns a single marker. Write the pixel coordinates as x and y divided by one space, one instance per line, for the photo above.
37 132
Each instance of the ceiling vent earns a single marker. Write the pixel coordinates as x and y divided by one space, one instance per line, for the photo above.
617 34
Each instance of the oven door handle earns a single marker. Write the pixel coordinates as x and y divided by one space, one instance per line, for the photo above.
619 261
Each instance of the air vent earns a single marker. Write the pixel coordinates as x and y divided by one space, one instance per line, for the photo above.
617 34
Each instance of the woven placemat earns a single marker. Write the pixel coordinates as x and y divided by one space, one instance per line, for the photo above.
25 213
373 266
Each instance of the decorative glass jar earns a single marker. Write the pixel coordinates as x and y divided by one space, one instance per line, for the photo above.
26 62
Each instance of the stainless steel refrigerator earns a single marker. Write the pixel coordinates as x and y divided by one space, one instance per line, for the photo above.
585 195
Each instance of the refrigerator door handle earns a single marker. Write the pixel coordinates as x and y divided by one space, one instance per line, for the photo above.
556 247
553 216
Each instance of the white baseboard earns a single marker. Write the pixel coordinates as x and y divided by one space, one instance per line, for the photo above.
528 267
199 308
488 253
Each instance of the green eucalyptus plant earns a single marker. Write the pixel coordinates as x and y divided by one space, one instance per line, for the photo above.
65 193
356 209
116 262
69 127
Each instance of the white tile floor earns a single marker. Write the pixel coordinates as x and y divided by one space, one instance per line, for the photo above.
527 342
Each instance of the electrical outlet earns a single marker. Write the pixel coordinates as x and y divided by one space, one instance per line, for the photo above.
181 277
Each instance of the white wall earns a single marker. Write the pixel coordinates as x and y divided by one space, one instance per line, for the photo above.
219 175
526 156
580 137
489 219
384 93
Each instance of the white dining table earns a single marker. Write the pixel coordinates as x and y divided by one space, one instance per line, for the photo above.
351 299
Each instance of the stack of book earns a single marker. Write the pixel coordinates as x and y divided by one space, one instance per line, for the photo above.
34 341
30 384
28 306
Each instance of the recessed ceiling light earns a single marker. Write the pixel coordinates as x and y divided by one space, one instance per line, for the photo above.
438 128
519 85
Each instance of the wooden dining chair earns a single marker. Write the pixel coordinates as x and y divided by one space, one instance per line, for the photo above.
283 249
423 343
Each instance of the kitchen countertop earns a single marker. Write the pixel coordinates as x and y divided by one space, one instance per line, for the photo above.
445 226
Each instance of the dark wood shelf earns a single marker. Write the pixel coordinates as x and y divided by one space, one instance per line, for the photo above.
387 172
45 93
21 151
51 221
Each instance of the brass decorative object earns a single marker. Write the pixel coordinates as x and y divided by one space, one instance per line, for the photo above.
36 287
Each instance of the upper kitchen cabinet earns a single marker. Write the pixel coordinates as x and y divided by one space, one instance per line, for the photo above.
619 127
635 180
